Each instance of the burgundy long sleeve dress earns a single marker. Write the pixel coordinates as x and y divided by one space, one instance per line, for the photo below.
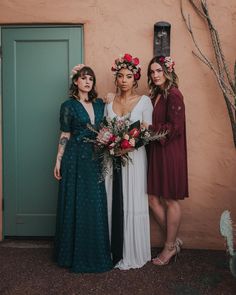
167 159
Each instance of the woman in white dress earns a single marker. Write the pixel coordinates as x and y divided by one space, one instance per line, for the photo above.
133 237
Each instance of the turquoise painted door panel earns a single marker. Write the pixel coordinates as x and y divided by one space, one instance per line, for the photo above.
36 68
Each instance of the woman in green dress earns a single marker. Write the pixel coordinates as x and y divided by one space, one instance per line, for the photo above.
82 237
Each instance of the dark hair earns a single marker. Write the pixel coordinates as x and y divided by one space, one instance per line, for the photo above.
74 92
172 79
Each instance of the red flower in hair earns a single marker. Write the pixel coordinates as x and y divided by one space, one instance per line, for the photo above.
162 59
128 57
137 76
135 61
127 62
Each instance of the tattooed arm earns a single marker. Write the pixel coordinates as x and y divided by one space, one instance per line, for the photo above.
65 136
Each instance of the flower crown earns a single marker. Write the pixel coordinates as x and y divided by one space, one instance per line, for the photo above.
127 62
168 62
76 69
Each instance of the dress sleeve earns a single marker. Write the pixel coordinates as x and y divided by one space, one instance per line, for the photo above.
147 112
105 110
65 118
175 119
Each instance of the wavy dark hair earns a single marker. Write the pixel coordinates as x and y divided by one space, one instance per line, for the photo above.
74 92
172 79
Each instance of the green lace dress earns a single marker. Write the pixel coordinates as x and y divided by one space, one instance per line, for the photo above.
82 237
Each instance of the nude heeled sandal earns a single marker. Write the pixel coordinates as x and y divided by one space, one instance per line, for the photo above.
179 242
170 247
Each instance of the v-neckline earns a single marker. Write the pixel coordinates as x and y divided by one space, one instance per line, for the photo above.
157 102
125 115
87 111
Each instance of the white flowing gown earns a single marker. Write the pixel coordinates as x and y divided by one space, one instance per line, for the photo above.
136 246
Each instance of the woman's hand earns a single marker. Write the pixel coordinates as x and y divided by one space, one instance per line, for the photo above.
145 125
57 168
109 97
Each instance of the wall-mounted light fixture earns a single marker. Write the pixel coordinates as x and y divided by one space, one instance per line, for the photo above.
161 39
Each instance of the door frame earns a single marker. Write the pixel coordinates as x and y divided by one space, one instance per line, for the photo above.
1 98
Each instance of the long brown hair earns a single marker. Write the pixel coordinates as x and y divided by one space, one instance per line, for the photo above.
74 92
172 79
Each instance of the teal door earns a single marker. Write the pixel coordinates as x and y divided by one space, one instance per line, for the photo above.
35 73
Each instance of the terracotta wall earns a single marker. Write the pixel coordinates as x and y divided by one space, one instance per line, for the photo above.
112 27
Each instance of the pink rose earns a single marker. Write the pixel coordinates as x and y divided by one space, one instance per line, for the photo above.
128 57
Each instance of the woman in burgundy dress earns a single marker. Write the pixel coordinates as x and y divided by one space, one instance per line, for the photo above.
167 159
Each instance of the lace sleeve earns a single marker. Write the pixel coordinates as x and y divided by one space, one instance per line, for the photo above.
175 118
65 118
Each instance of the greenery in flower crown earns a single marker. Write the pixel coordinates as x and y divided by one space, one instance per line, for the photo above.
127 62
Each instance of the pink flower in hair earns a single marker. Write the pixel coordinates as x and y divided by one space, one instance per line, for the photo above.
168 62
76 69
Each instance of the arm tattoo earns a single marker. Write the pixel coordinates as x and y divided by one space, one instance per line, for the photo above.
63 141
59 157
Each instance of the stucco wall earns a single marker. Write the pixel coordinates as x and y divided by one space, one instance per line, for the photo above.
112 27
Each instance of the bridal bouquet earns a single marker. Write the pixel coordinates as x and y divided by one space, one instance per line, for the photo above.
116 137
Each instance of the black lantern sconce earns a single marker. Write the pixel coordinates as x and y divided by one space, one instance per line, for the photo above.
161 39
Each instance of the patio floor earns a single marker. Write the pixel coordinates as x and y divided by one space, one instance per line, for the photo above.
26 268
